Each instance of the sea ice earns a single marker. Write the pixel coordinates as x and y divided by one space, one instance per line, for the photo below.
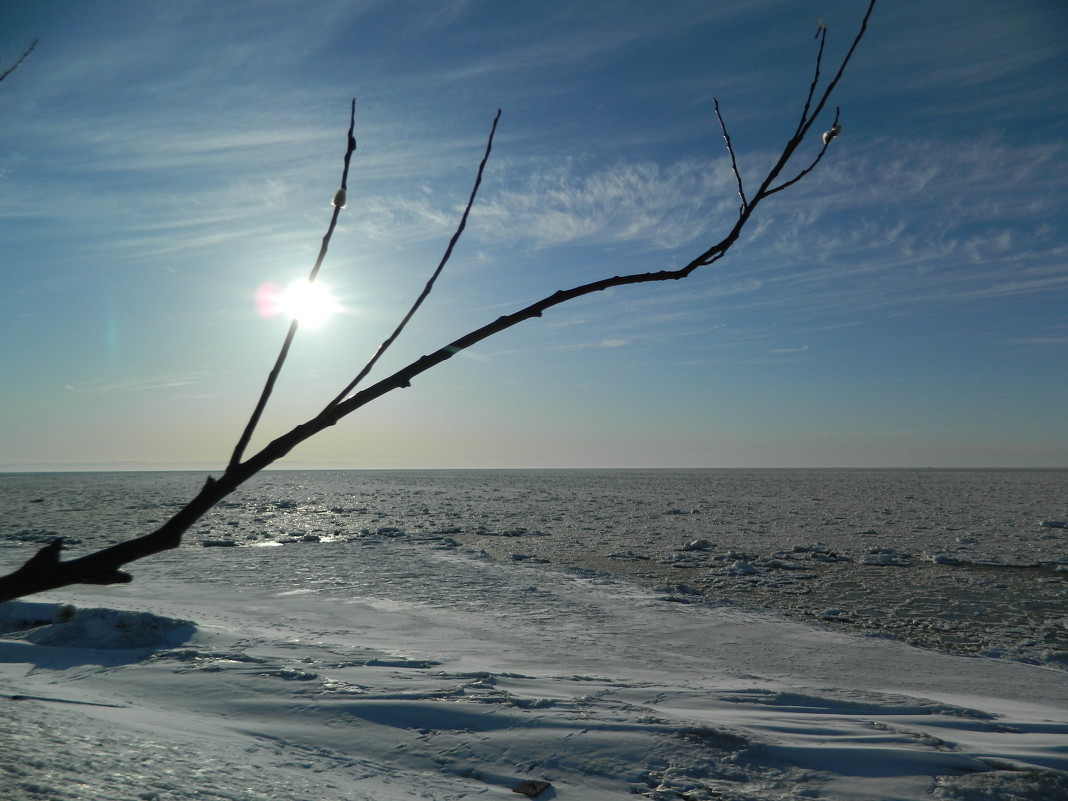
403 671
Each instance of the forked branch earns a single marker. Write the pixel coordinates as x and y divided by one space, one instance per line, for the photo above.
272 377
433 278
47 571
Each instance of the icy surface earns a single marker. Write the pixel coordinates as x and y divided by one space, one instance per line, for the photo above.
971 561
390 653
384 671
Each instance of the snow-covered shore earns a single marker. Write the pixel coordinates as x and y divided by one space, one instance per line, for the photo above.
966 561
375 669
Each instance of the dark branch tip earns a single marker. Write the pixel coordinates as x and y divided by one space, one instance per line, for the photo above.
109 577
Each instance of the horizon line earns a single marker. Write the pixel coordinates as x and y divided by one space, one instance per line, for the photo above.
172 467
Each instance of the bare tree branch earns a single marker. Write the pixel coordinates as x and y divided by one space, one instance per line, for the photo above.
821 34
46 571
433 278
812 166
734 161
272 377
18 63
806 125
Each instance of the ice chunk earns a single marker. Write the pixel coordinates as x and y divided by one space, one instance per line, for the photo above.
741 568
112 628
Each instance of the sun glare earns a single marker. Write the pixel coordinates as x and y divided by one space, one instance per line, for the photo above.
310 303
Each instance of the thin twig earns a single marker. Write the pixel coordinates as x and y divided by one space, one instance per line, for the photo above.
272 377
18 63
809 168
808 119
803 131
822 34
734 161
430 283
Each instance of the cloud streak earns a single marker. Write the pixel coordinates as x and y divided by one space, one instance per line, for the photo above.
140 384
660 207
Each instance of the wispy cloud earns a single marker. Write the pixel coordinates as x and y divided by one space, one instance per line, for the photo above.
140 384
408 218
557 38
1041 341
637 202
612 342
990 57
941 224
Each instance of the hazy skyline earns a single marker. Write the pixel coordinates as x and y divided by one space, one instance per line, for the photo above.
905 305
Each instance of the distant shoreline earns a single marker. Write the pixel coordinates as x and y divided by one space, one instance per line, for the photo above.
217 469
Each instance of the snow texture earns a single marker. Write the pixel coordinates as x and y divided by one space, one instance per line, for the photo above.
392 664
438 675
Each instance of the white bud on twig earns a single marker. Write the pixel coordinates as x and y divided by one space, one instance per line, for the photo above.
829 135
339 198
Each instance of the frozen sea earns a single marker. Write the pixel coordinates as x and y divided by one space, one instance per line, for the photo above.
970 561
669 634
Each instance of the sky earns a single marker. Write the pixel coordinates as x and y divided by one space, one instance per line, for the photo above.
905 305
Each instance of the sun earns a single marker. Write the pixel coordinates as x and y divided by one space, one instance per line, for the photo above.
310 303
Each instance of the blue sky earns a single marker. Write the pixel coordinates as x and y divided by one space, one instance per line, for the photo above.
903 306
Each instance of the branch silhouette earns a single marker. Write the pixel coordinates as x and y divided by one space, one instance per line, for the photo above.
18 62
272 377
46 570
